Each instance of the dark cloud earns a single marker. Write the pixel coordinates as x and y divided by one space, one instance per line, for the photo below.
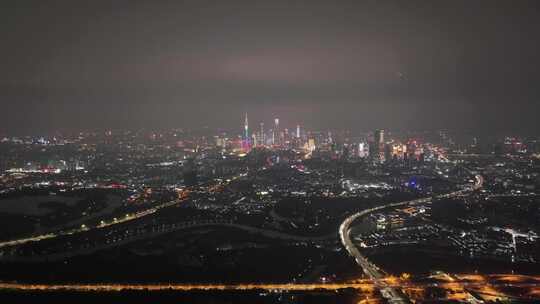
354 64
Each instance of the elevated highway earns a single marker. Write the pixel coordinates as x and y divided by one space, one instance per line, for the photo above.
371 270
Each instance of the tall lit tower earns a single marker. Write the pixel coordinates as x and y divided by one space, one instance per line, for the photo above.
379 136
297 131
246 129
276 131
246 140
262 135
377 149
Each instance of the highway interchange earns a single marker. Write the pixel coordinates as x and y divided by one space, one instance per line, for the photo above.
371 270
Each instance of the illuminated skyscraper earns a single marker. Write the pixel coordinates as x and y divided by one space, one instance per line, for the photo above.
297 131
276 134
379 136
246 139
377 147
262 136
362 150
246 128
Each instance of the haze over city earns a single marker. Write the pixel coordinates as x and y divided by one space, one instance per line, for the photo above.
355 64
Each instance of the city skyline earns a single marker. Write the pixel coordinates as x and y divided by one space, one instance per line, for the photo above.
336 202
268 151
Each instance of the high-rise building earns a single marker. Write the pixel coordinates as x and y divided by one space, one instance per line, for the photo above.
221 142
262 136
362 151
246 128
387 153
276 135
377 147
297 131
246 138
311 144
379 136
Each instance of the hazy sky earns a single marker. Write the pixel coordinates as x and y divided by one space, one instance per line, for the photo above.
355 64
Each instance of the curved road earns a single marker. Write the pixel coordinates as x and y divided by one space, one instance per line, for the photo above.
370 269
103 224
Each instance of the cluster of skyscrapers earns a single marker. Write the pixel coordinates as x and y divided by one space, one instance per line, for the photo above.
374 146
274 136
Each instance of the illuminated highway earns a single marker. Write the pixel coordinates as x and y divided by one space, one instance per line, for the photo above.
364 286
457 286
115 221
83 228
371 270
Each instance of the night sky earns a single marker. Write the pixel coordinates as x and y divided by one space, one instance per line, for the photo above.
466 65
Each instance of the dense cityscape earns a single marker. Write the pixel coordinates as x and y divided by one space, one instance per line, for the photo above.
240 151
423 215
